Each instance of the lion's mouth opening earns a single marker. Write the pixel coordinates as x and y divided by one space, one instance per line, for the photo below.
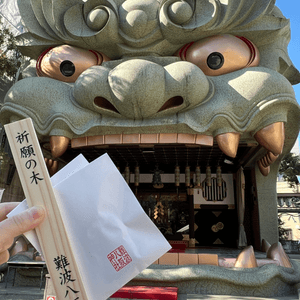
174 147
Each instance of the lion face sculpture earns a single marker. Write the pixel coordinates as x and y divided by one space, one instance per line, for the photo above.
193 70
208 68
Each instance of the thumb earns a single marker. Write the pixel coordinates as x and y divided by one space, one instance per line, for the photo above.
20 224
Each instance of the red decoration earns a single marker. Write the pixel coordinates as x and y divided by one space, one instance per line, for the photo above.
176 251
119 258
181 245
147 292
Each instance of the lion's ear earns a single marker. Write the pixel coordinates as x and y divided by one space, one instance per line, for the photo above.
289 71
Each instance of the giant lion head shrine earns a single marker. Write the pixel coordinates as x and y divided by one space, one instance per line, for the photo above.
193 101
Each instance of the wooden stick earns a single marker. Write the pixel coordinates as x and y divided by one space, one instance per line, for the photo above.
38 190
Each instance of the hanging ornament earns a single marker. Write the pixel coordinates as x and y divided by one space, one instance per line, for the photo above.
219 176
156 179
137 176
187 176
208 176
177 176
127 174
198 177
159 212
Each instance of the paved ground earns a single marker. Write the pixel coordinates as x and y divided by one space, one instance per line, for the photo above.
35 293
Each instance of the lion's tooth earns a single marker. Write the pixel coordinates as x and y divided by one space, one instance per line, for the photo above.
265 246
246 259
52 166
229 143
263 170
58 145
272 137
277 252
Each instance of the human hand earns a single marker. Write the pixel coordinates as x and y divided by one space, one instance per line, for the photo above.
16 225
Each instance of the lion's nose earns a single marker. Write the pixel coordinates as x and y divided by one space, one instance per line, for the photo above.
138 87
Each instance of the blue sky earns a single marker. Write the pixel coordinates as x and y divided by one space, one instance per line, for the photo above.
291 10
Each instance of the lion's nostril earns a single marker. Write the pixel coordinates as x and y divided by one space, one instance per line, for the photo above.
104 103
172 102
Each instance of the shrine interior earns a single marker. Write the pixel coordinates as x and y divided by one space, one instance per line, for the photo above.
210 208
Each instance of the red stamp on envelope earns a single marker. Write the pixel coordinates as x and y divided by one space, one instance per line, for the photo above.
119 258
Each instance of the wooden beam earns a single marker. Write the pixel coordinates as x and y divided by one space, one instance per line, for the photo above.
38 190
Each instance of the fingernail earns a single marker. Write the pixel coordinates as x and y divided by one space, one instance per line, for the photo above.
37 212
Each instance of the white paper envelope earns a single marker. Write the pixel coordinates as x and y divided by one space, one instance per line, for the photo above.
73 166
111 236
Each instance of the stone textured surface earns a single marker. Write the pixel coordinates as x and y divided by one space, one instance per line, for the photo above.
265 281
140 37
25 277
244 110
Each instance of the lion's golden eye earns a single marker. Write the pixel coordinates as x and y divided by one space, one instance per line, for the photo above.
66 63
220 54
